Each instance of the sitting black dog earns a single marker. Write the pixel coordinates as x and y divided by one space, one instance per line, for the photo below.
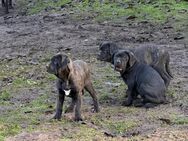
141 79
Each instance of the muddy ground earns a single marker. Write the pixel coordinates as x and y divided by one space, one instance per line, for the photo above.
28 92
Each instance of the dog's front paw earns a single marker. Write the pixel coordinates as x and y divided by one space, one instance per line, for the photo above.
77 119
138 103
57 116
126 103
95 110
149 105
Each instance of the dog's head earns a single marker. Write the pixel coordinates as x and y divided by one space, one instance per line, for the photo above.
107 50
124 60
60 66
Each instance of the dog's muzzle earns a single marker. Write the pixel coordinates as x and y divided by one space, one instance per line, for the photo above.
118 68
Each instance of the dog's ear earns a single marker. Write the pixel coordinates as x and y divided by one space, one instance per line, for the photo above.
132 59
113 48
69 63
58 57
100 45
104 44
61 60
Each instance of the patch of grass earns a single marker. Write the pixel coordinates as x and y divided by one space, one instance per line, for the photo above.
120 127
51 77
83 132
27 115
40 5
5 95
115 126
114 119
120 110
153 11
8 130
150 13
171 93
104 97
40 104
22 82
180 120
110 86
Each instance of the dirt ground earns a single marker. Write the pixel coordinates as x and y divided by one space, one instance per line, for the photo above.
30 41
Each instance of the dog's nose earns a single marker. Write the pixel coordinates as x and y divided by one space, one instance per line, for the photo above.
118 61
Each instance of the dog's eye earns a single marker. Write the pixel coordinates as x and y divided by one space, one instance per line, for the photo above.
56 63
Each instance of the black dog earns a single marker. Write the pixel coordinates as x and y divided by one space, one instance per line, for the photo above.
141 79
73 78
148 54
7 4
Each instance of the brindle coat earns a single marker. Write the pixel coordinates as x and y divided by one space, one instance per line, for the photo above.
73 77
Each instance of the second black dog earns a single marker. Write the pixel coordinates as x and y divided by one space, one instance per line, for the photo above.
148 54
141 79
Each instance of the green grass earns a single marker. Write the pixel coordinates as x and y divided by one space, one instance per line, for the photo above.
180 120
82 132
115 126
8 129
5 95
40 5
113 121
29 115
171 93
120 127
154 11
18 111
109 86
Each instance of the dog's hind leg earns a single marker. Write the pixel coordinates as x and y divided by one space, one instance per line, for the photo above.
138 102
162 67
150 105
92 92
150 102
78 107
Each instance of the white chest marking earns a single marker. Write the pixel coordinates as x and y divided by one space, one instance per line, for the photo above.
67 92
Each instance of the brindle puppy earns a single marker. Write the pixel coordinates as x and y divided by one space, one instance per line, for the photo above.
73 78
141 79
148 54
